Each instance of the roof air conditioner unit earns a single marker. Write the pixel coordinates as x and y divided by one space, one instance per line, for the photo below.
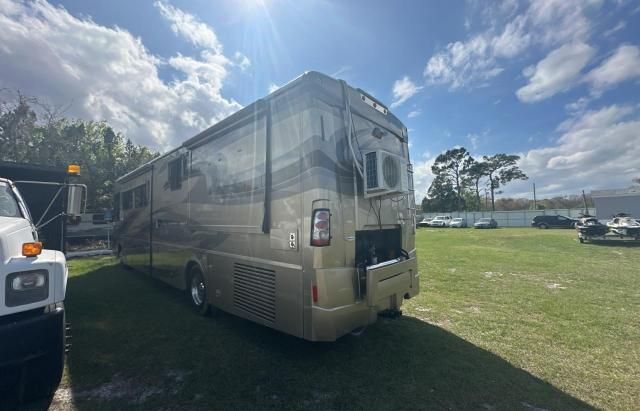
385 174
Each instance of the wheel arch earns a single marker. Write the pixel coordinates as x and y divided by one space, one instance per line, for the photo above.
193 261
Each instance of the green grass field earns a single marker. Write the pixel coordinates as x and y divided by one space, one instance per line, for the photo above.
506 319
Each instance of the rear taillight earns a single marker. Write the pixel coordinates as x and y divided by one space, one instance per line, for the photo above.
321 228
314 293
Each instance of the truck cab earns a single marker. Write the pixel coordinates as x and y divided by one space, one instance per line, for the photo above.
33 284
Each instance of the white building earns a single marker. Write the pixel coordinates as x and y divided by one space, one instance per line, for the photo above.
611 202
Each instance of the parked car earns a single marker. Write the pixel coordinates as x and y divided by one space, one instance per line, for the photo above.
458 223
553 221
426 222
486 223
440 221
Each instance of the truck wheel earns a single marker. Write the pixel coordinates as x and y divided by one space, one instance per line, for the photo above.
43 375
197 291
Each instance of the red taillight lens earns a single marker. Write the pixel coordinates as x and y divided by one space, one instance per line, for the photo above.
314 292
321 228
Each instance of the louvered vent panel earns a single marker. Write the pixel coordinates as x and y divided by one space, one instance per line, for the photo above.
254 291
372 169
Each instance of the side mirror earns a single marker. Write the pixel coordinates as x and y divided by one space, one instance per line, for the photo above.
74 200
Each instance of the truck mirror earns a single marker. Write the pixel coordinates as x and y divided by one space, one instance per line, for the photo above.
74 200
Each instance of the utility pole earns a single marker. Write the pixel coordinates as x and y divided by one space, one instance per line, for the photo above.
584 199
535 201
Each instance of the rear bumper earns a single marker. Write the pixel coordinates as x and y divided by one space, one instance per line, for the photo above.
30 335
387 285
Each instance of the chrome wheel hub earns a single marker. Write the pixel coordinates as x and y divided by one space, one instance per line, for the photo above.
197 290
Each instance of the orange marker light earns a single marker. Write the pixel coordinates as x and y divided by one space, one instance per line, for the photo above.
73 169
31 249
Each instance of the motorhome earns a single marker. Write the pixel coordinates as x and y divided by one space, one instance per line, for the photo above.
297 212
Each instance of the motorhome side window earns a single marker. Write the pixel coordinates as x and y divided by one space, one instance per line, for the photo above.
116 207
232 170
176 169
140 196
127 200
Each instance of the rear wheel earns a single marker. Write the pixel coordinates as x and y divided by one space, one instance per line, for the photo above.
197 290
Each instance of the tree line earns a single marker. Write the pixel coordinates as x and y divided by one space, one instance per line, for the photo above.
35 133
459 180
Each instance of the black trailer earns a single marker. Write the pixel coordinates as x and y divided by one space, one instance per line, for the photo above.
39 198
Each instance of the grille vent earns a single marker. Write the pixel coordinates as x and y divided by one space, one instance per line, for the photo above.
372 169
254 291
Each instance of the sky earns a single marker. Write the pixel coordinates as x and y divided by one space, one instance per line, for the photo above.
554 81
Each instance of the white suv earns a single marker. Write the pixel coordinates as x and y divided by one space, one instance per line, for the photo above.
441 221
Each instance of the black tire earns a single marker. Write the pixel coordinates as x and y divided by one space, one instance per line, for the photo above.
581 240
120 257
197 291
43 374
543 226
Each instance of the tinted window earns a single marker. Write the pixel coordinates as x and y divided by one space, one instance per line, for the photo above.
140 196
8 204
127 200
231 172
116 207
176 174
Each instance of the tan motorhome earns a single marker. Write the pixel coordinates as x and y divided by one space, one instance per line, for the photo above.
296 212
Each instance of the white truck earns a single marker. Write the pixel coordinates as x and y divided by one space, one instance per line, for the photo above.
33 284
441 221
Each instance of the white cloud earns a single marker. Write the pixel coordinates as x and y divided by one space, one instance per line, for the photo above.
414 113
422 175
621 25
473 140
242 61
403 90
463 63
556 73
273 87
623 65
598 149
513 40
474 61
108 74
189 27
561 21
578 106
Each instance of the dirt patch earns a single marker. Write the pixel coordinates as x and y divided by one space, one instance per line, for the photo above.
127 389
491 274
532 407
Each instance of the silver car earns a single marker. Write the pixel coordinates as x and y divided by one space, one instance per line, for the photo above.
486 223
458 223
